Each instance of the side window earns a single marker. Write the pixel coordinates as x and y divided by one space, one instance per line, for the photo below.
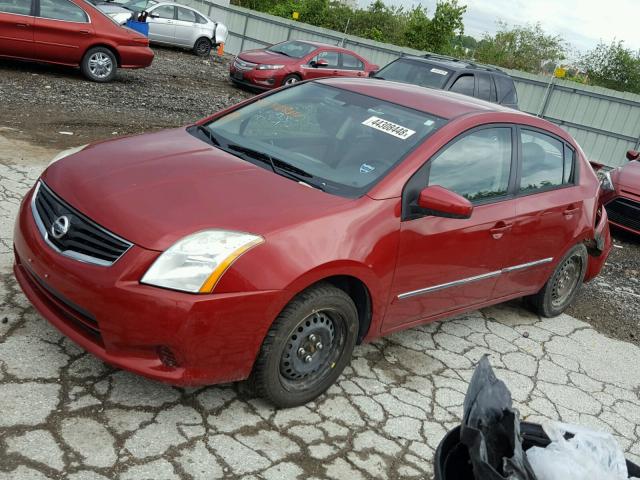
62 10
201 19
506 90
165 11
349 62
21 7
330 57
477 166
186 15
464 84
484 87
543 162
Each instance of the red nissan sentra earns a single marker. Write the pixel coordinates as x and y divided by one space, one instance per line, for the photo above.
269 239
70 32
290 62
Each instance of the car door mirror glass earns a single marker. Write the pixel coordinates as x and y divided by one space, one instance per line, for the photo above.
322 63
440 202
633 155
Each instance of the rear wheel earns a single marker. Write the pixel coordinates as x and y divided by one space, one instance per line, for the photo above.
307 347
99 64
291 79
563 285
202 47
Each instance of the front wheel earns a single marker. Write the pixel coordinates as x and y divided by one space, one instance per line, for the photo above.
291 79
563 285
99 65
307 347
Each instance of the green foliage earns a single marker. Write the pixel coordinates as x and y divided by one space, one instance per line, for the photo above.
613 66
525 48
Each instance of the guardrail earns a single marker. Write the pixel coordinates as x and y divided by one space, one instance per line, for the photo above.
606 123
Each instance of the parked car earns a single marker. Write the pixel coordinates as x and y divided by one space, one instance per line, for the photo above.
180 26
268 239
113 10
290 62
70 32
449 73
621 194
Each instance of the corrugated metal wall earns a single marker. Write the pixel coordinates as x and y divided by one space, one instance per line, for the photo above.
605 123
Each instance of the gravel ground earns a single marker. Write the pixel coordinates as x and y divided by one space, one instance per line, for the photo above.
39 101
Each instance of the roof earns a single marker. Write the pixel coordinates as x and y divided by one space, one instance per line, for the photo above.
436 102
453 63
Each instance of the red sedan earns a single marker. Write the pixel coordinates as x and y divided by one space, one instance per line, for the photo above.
269 239
70 32
621 195
293 61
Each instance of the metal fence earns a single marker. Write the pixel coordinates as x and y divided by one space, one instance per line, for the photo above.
605 123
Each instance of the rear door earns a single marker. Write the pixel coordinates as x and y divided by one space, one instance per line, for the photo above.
186 27
16 28
549 205
351 66
464 84
446 264
162 26
62 33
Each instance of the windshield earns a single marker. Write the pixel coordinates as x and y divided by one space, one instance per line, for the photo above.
139 5
293 49
415 72
336 140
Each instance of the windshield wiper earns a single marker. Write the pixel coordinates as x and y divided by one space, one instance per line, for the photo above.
281 53
277 165
209 134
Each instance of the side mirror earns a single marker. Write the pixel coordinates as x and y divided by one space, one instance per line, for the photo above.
153 15
322 63
633 155
441 202
372 73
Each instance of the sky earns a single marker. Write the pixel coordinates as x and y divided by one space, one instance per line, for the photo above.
583 23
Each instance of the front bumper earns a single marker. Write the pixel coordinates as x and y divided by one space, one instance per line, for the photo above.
175 337
623 209
260 79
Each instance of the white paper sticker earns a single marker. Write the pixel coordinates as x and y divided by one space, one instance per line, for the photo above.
438 71
388 127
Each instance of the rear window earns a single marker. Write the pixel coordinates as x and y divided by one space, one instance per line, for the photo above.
545 162
506 90
415 72
21 7
62 10
186 15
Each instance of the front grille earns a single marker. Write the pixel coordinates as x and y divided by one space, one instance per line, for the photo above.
75 316
242 65
74 235
625 212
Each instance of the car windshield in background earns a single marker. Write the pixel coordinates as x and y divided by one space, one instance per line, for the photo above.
139 5
339 141
293 49
415 72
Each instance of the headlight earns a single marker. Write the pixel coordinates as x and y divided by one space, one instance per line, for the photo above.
66 153
606 183
269 67
196 263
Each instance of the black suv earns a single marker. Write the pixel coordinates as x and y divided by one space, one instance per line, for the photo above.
448 73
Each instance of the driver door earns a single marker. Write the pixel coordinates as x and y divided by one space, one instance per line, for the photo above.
447 264
331 69
162 27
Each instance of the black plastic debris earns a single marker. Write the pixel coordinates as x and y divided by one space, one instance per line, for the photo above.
491 429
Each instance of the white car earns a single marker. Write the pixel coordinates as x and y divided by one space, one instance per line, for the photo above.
173 24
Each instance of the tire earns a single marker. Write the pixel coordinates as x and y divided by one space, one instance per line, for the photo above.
563 285
99 64
322 322
202 47
291 79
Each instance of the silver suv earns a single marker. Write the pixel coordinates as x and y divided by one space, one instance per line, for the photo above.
173 24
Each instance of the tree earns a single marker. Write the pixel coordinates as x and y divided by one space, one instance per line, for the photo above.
444 26
525 48
613 66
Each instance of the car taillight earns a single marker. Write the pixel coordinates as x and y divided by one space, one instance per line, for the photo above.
141 40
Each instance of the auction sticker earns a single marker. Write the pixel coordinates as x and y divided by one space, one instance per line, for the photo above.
438 71
388 127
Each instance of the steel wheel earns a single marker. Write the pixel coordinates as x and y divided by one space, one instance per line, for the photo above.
100 65
566 280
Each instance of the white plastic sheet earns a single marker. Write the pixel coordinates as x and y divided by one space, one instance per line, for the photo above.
588 455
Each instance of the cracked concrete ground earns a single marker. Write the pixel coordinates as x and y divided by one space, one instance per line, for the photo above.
66 415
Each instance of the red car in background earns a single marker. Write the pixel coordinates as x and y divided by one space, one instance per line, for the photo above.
296 60
70 32
621 194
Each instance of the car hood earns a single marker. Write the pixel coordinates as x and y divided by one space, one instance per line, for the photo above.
267 57
629 176
156 188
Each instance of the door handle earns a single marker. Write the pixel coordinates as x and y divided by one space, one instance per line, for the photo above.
500 229
22 25
84 32
570 211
